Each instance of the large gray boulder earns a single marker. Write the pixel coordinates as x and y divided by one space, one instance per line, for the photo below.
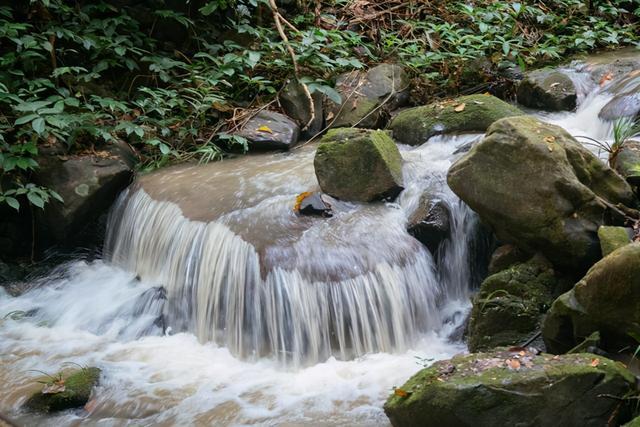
358 165
269 130
538 188
473 113
368 97
512 388
607 300
547 89
88 183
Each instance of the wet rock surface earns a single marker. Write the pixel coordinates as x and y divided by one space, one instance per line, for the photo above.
549 90
430 223
473 113
72 391
516 387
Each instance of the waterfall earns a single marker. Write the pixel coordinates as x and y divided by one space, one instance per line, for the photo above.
361 284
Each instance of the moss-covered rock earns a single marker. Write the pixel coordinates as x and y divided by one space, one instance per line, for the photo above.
508 308
473 113
367 97
627 162
607 300
547 89
538 188
358 165
612 238
512 389
73 392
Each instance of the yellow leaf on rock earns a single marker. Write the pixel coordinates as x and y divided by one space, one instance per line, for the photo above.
400 392
266 129
513 364
299 200
460 108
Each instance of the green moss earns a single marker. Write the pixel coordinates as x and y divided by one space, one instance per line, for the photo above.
509 305
358 165
77 391
517 388
416 125
612 238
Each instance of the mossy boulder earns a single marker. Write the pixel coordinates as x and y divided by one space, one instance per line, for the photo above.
547 89
473 113
540 189
73 392
607 299
368 97
627 162
512 389
358 165
612 238
509 305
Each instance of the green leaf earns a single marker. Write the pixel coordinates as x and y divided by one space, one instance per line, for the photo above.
56 196
36 200
12 202
38 125
164 148
25 119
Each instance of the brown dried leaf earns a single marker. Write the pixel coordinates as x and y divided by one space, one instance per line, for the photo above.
595 362
513 364
401 393
460 108
54 387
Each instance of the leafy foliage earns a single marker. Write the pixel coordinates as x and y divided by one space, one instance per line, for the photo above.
174 81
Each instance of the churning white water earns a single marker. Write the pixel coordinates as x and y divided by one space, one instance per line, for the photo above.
216 304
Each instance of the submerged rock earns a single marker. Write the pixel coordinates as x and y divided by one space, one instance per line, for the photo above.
358 165
627 162
547 89
269 130
73 392
473 113
516 388
626 102
367 97
537 187
88 183
430 223
612 238
313 204
607 300
508 308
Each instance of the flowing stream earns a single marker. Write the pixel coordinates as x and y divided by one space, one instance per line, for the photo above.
216 304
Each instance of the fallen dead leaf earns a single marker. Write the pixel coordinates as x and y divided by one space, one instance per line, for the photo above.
460 108
595 362
401 393
513 364
266 129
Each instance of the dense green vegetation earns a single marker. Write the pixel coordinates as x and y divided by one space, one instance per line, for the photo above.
174 79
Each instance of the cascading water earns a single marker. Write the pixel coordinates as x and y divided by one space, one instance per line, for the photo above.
217 305
262 280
